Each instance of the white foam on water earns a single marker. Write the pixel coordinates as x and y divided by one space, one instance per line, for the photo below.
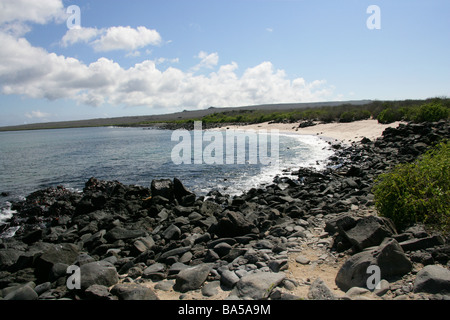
9 233
311 152
6 213
317 153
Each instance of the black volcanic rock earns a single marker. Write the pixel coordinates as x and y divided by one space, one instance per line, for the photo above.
157 232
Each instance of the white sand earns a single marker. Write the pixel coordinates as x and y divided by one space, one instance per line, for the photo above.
345 132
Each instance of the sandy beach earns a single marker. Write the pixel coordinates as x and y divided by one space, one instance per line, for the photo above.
344 132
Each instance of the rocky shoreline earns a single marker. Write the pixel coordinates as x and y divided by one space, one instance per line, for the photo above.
137 243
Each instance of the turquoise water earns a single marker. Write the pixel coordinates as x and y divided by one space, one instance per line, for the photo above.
31 160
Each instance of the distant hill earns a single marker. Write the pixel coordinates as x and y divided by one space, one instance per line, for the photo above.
133 120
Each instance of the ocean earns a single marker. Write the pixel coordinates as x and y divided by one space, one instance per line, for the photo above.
32 160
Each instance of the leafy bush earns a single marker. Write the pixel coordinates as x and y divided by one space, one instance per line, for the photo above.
417 192
346 116
354 115
389 115
431 112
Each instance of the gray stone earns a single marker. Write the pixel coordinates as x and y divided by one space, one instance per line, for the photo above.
100 272
83 258
186 257
180 191
22 293
234 224
192 278
228 278
154 268
165 285
132 291
163 188
172 232
176 268
211 288
278 265
357 293
65 253
258 285
422 243
174 252
58 270
222 249
98 292
43 287
119 233
264 244
8 257
344 221
143 244
320 291
432 279
389 257
384 286
302 259
210 208
369 231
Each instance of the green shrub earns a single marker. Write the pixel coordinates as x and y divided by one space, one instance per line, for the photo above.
354 115
417 192
347 116
431 112
389 115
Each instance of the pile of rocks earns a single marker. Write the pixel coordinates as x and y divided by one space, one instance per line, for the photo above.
121 238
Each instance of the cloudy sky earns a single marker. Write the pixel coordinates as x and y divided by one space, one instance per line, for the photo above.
107 58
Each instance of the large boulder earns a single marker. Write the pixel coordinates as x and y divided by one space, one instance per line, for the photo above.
233 224
133 291
422 243
181 193
320 291
25 292
64 253
433 279
389 257
192 278
163 188
119 233
8 257
99 272
370 231
258 286
338 222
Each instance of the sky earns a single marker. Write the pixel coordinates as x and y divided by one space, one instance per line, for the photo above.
73 59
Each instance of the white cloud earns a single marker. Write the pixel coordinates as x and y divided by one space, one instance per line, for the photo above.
16 14
36 73
41 11
113 38
133 54
162 60
37 114
81 34
207 60
126 38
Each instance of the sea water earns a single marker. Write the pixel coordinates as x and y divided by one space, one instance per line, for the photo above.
32 160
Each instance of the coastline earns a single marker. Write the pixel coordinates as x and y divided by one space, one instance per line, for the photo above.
288 240
335 131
